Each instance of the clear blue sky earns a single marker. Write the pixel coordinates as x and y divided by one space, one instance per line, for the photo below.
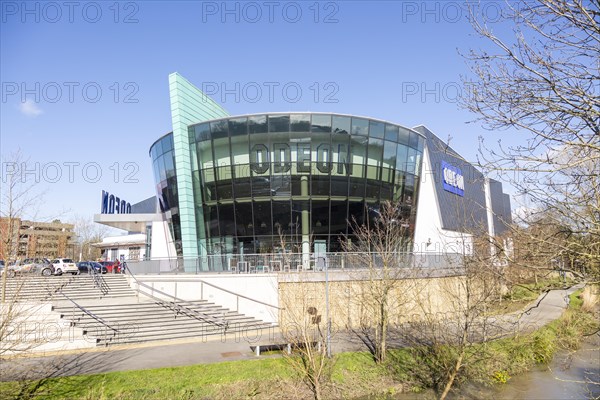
358 57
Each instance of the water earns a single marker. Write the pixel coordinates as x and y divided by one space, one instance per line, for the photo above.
567 377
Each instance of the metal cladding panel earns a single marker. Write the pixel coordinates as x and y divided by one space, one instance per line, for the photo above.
189 105
462 208
507 214
147 206
497 197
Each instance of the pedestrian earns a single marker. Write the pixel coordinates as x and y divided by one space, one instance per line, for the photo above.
116 266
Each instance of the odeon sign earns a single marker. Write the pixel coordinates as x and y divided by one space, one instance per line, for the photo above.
452 179
114 205
282 158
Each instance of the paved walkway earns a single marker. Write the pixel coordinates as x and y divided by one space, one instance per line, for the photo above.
548 307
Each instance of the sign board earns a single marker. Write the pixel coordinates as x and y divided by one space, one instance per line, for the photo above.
452 179
114 205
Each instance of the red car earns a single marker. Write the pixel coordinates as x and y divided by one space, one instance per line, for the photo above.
110 266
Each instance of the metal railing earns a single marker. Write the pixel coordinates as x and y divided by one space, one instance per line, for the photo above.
290 262
90 314
99 282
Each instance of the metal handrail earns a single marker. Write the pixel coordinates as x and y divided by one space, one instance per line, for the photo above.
99 281
195 313
91 314
238 295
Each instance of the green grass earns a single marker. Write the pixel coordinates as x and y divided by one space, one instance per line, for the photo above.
164 383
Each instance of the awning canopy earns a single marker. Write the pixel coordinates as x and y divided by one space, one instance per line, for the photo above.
128 222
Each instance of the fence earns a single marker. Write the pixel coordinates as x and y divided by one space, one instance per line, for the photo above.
292 262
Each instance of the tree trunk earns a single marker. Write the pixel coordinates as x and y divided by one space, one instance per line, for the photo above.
452 376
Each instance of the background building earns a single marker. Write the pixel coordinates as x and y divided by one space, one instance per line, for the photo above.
36 239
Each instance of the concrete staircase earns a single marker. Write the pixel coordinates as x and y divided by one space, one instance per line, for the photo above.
107 311
134 320
76 287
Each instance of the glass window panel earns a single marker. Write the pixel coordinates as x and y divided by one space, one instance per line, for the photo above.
167 143
169 166
386 191
209 184
389 154
360 126
238 126
409 187
403 135
211 220
356 213
339 217
257 124
356 187
375 151
240 150
413 140
321 123
340 124
298 206
222 153
320 216
279 123
412 160
226 220
202 132
300 122
243 217
391 132
159 149
321 153
260 157
242 188
418 160
219 129
161 168
204 152
339 185
421 143
282 218
401 157
262 218
376 129
154 152
320 185
261 186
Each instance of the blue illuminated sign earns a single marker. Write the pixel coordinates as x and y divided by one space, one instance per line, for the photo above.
452 179
114 205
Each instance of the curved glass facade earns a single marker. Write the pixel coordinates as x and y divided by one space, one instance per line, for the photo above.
263 182
165 178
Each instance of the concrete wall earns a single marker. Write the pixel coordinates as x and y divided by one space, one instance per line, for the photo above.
351 300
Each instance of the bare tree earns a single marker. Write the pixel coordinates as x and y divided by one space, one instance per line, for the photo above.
380 249
88 232
542 78
304 328
449 326
18 199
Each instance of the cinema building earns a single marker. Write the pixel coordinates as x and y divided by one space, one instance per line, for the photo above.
274 182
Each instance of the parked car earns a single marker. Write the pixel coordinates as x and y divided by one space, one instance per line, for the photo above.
65 265
110 266
30 266
87 267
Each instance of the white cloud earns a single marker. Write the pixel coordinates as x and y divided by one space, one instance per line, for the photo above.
30 109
